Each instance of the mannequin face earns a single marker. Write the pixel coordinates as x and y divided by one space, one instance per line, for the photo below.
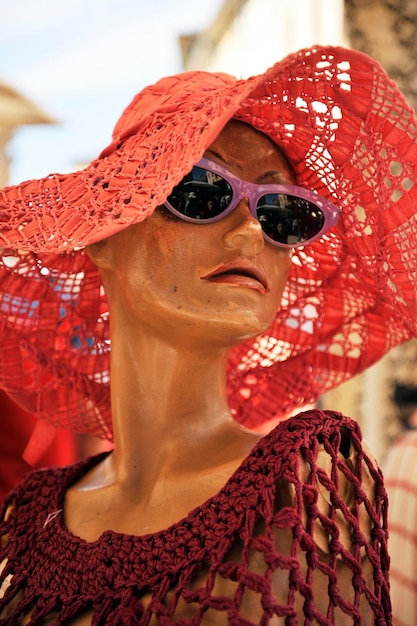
208 285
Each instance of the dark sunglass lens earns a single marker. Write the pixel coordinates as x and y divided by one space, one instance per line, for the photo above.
201 195
289 219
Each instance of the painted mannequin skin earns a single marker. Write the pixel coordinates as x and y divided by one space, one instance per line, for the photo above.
171 328
172 325
176 443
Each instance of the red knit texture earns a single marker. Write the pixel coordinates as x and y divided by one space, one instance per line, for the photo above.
350 297
244 557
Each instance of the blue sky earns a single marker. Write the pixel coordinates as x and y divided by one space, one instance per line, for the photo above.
82 61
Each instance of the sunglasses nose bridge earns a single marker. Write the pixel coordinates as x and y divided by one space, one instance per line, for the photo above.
245 233
248 192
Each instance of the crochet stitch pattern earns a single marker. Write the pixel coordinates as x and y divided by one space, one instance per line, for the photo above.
255 554
350 297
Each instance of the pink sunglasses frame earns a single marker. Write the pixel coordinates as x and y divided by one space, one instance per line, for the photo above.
253 193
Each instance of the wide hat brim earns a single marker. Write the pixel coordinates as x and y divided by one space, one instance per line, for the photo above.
350 136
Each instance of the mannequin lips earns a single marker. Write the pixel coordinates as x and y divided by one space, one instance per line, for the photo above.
240 272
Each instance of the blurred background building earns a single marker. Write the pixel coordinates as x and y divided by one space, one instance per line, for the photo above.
81 62
15 111
247 36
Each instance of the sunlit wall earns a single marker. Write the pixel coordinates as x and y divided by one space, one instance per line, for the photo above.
247 37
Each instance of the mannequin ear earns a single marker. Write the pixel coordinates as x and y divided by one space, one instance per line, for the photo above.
101 253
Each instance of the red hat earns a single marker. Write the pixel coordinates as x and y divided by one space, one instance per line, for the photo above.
350 297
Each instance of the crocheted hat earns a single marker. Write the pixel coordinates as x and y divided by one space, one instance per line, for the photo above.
350 296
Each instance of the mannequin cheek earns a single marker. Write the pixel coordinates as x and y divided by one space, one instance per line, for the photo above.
281 272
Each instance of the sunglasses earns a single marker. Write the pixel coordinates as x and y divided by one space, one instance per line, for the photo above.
290 216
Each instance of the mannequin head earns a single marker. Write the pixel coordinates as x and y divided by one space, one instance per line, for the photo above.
220 282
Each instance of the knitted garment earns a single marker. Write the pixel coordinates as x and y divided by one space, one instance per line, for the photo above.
250 555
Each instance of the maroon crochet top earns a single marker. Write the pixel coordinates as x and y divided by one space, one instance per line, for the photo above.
247 556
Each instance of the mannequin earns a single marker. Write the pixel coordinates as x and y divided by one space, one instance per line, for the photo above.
215 324
173 322
175 440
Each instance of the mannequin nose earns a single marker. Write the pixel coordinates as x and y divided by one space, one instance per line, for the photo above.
244 232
